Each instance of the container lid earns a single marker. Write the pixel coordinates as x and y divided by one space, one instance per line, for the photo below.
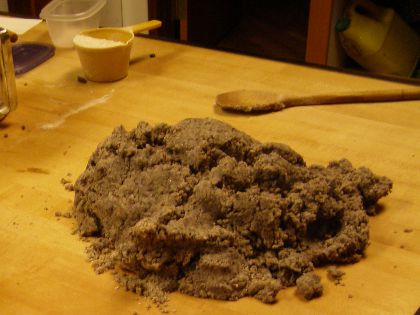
71 10
27 56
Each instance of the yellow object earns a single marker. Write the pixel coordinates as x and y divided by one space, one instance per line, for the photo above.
378 39
104 53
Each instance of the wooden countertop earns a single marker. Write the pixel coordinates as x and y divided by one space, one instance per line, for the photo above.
43 267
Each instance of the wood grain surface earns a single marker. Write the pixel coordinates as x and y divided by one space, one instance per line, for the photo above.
60 121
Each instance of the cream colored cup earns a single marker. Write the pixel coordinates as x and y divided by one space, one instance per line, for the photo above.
104 53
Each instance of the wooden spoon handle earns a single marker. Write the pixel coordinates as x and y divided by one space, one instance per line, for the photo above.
354 97
145 26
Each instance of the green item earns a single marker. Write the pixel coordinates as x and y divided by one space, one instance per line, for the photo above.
342 24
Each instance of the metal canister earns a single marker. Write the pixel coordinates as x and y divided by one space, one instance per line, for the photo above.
8 97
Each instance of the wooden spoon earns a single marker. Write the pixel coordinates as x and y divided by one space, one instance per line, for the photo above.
263 101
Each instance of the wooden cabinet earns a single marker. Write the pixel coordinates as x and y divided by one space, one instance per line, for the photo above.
272 29
27 8
301 30
322 45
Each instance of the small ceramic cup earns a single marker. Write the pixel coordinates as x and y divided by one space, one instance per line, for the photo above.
104 53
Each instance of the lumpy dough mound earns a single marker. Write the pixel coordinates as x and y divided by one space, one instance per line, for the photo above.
205 209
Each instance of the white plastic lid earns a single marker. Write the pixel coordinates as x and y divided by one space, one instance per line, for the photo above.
71 10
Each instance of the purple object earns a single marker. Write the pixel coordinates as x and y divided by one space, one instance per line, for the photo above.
27 56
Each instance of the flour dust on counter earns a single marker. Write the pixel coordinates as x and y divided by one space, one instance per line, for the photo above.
204 209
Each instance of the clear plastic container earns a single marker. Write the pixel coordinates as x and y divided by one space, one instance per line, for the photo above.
66 18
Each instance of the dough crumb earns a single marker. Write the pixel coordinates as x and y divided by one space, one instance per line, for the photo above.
63 214
81 79
206 210
335 275
309 286
69 187
64 181
408 230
